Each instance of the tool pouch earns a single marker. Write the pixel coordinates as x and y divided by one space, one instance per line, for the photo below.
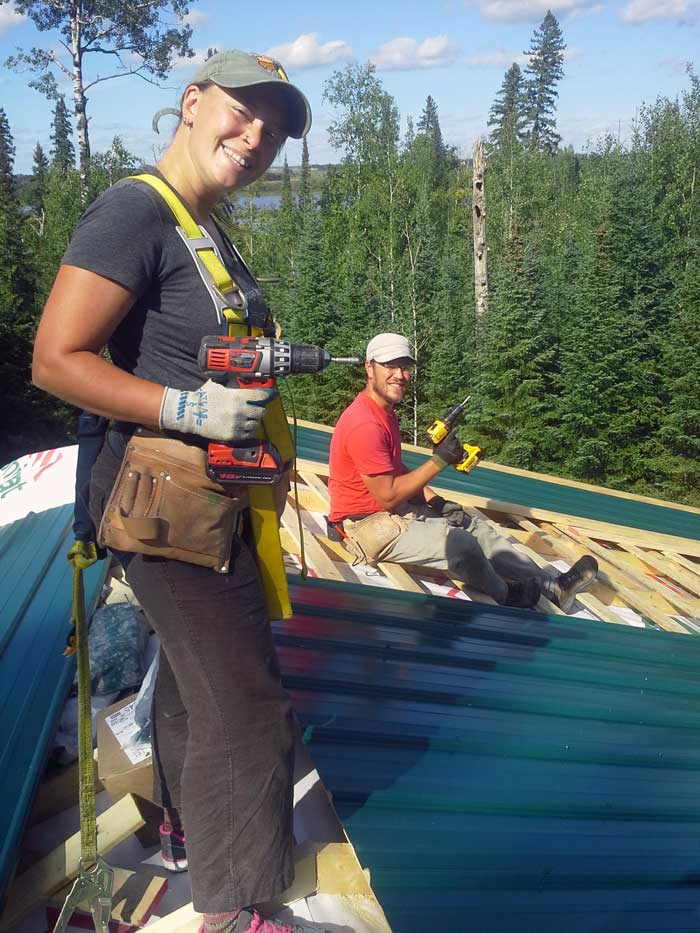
369 538
164 504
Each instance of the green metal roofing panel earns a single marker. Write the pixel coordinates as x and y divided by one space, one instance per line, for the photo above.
35 677
536 493
501 770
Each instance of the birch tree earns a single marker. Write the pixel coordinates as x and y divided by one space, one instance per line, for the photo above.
134 38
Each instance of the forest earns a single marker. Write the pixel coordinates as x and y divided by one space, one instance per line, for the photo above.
585 363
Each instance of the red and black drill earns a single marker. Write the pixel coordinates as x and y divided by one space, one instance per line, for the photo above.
255 363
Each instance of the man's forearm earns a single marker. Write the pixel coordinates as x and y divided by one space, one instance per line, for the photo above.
410 485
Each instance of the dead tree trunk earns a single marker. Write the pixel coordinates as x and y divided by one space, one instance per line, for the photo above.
481 281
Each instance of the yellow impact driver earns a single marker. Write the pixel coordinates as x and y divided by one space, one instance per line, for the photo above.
441 427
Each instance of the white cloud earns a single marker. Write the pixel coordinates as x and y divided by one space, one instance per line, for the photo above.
9 18
531 10
641 11
404 53
306 52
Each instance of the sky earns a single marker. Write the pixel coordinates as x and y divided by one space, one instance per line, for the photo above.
619 56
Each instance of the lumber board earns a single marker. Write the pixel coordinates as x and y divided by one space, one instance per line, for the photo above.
639 599
317 484
638 576
622 534
184 920
134 897
400 576
683 561
316 557
588 526
53 871
308 499
672 571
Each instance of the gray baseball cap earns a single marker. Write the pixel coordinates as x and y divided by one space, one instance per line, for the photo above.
386 347
235 69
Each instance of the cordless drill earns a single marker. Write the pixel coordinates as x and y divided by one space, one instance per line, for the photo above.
255 363
441 427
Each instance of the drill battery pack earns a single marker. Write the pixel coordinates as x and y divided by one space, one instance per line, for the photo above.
254 464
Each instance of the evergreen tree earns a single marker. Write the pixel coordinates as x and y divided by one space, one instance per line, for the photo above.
40 168
515 409
508 114
609 408
16 305
429 125
678 454
7 158
305 197
545 70
62 149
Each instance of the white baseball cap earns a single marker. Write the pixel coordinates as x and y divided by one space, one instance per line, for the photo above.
386 347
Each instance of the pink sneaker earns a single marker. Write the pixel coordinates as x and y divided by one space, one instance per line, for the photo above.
172 849
249 920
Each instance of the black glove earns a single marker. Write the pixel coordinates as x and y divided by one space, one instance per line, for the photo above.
452 511
448 451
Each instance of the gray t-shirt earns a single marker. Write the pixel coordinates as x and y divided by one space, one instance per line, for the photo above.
128 235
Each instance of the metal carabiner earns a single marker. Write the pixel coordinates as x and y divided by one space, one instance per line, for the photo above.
92 886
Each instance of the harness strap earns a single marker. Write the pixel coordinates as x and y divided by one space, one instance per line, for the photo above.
81 556
220 284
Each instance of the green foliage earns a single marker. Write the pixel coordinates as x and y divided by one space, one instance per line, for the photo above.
508 114
518 363
62 148
37 185
544 71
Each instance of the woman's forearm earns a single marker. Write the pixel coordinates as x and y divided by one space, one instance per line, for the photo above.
89 381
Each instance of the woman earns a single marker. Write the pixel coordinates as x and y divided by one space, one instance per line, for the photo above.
223 726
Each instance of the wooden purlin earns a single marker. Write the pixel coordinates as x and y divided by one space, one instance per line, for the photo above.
641 599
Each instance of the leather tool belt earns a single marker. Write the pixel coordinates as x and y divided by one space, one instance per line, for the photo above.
368 538
164 504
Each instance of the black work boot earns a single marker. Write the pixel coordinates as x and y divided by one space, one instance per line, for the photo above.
524 594
567 585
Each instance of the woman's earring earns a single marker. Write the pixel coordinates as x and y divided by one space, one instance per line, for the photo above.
188 123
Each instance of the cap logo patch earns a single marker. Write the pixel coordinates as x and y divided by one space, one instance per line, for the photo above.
270 64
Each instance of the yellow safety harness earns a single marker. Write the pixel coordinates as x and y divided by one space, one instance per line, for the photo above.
222 288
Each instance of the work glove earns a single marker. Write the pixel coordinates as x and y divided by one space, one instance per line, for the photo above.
448 452
215 412
452 511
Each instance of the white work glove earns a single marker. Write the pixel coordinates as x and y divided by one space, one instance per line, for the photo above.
215 412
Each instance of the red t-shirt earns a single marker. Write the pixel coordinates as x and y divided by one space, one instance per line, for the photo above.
366 440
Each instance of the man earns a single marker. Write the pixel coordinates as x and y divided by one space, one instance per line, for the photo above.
384 511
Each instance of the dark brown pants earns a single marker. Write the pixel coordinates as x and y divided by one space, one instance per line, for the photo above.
223 727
